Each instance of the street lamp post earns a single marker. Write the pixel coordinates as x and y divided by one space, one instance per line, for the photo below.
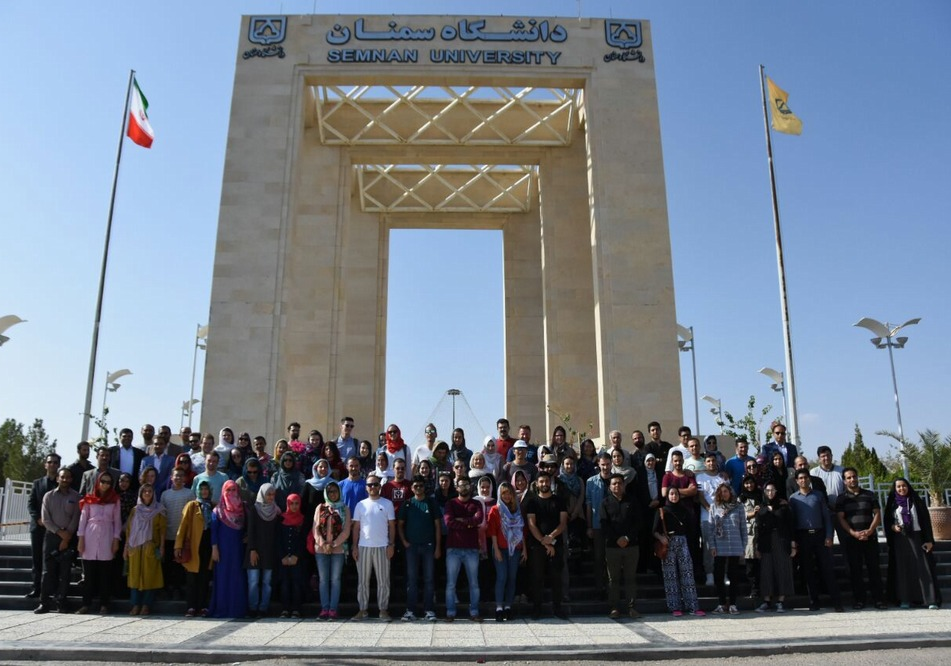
6 322
453 393
884 334
201 335
778 384
717 409
111 387
686 344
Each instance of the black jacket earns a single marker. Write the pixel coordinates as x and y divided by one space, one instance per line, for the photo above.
620 518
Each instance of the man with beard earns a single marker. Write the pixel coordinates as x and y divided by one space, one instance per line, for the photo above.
547 518
463 516
859 515
374 534
596 489
620 517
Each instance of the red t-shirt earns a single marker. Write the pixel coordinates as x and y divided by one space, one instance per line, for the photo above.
397 492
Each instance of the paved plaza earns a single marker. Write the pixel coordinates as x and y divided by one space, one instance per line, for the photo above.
24 636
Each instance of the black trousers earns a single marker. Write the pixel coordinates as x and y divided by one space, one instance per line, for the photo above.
58 565
97 581
859 554
814 553
542 567
37 537
196 588
731 567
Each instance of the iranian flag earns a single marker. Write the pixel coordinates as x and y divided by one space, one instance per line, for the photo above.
140 131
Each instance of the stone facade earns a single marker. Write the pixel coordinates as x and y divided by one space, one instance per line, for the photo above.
297 328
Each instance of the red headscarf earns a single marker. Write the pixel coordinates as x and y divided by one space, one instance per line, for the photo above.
394 444
108 497
292 518
230 510
190 473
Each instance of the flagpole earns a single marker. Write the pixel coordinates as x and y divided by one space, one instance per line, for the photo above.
87 415
790 380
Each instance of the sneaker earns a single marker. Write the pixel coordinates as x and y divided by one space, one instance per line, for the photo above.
734 610
763 607
932 606
677 613
332 615
408 616
499 615
450 618
430 616
191 612
719 610
634 614
614 614
905 606
475 618
385 616
295 615
361 615
507 614
779 607
698 613
324 615
709 581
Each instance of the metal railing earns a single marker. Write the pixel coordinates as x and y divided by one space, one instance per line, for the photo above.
15 514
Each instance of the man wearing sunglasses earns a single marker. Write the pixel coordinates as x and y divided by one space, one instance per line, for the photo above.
374 534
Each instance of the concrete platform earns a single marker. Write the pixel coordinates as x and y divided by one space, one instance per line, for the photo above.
28 637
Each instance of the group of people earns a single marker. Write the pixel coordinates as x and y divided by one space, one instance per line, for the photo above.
228 525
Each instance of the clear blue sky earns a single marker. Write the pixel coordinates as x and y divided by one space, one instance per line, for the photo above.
863 193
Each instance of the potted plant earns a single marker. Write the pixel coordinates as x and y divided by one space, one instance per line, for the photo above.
929 461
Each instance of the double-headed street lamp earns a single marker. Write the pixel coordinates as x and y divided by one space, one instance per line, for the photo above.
885 338
686 344
717 410
779 384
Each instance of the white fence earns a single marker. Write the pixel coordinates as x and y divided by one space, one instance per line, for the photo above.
14 514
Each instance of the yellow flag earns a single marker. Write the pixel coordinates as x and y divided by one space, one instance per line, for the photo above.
783 119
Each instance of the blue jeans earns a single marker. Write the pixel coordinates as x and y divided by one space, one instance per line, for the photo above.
329 569
259 589
421 555
455 558
141 597
505 572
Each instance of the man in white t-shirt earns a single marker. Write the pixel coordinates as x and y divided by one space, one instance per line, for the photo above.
694 460
425 450
707 483
374 535
683 438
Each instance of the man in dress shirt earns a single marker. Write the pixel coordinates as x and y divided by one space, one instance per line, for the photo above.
162 462
127 458
813 523
34 505
60 514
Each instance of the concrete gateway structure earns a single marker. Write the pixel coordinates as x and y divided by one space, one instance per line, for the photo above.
345 127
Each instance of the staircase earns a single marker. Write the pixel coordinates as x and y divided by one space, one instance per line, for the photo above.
15 580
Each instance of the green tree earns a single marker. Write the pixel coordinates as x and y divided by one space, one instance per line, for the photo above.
864 459
22 452
749 424
929 461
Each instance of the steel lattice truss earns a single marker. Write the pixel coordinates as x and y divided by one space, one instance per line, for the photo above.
446 115
430 188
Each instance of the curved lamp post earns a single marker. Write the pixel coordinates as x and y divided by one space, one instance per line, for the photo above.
686 344
717 409
112 387
885 338
778 384
6 322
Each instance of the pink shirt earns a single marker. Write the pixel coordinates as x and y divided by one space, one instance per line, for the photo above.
99 524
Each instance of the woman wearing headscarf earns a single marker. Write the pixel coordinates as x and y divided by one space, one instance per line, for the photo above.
774 537
588 460
338 466
493 459
520 484
751 497
229 594
728 538
365 457
911 565
290 554
250 481
331 531
100 528
672 525
314 488
577 525
127 499
506 529
184 461
313 449
144 550
225 441
619 466
260 551
429 476
396 448
235 464
288 479
440 457
281 447
193 550
777 473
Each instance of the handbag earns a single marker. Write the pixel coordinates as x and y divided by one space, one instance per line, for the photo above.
660 548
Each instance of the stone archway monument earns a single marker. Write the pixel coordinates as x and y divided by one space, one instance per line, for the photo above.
345 127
